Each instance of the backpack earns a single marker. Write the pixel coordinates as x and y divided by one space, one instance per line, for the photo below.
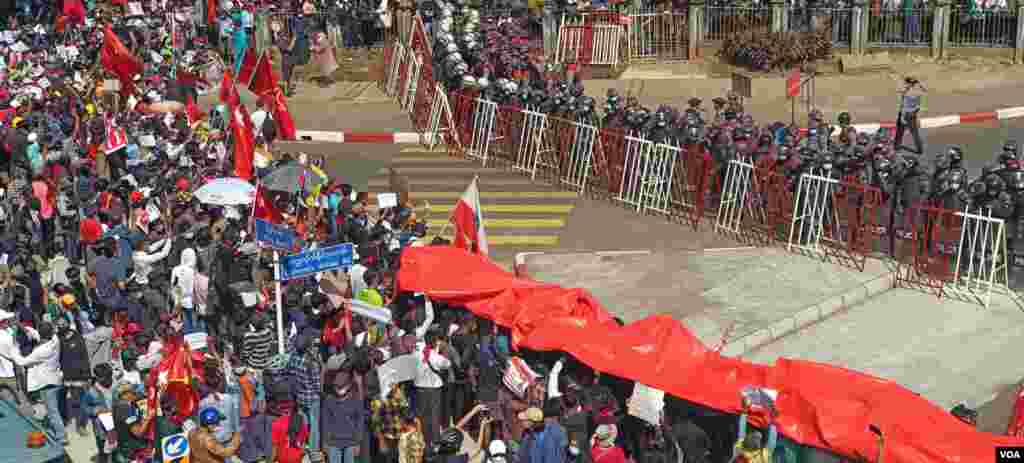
269 128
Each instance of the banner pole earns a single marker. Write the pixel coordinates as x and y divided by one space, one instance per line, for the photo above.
277 301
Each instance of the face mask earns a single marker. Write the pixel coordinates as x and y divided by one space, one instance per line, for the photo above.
574 451
219 429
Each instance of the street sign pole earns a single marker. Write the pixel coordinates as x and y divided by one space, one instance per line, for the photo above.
277 302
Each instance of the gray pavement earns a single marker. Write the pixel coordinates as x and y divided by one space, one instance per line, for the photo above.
726 296
946 351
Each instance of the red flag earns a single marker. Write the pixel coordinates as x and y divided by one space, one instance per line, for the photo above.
283 118
264 79
793 84
264 208
1016 425
228 93
188 78
192 111
241 128
247 70
174 376
74 11
469 221
117 59
211 12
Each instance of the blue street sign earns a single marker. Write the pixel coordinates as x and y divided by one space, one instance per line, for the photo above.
174 447
316 261
274 236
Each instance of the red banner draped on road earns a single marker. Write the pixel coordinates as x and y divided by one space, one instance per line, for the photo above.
819 405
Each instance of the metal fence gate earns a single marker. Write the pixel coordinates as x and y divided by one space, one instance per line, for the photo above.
981 258
409 97
581 153
533 145
394 73
647 175
484 114
440 111
736 197
812 209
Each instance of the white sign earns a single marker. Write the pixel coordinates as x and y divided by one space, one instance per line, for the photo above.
175 447
387 200
196 341
647 403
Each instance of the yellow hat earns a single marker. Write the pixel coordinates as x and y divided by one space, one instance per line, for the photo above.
90 108
67 299
17 120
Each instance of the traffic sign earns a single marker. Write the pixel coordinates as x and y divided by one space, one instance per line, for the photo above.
175 448
274 236
316 261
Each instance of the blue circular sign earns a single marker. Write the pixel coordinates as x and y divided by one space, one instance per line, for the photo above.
175 446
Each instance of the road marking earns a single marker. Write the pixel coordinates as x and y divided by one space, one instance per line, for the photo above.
510 223
494 194
513 240
512 208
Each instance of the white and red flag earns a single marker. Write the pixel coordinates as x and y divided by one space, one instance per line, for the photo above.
468 220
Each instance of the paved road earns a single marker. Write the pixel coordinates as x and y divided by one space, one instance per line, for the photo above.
981 142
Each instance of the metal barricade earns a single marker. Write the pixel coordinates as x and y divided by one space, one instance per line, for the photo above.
647 175
409 96
658 178
926 245
735 203
587 43
534 146
484 114
982 28
423 101
440 113
811 209
981 258
395 72
658 36
900 27
580 156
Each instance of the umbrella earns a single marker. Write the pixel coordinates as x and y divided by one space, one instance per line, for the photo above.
292 177
228 191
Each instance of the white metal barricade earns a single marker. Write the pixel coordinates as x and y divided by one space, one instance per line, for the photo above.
658 177
440 111
633 172
394 74
603 46
580 156
533 145
415 65
812 207
981 258
484 114
736 191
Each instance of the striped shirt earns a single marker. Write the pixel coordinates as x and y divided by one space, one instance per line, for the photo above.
257 348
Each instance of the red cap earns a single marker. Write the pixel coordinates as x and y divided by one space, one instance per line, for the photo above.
182 184
136 196
132 328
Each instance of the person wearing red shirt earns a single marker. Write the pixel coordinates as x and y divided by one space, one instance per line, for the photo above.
288 448
603 448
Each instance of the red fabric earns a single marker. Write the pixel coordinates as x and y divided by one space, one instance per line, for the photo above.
263 209
89 230
174 376
464 220
607 454
117 59
192 111
819 405
241 129
74 11
247 70
211 12
1016 425
264 80
286 451
283 118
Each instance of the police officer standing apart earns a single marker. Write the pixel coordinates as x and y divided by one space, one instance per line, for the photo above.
911 97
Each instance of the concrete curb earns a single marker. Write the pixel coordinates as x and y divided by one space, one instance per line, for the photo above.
809 316
401 138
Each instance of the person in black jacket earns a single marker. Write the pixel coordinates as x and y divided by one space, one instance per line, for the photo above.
74 362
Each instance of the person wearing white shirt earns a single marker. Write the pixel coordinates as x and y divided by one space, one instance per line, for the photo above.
432 359
9 389
44 375
144 260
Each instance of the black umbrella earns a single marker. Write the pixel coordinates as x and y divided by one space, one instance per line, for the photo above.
292 177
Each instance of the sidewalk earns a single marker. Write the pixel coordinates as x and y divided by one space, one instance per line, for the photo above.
869 99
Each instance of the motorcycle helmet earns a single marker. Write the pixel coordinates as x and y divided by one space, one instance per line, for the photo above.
210 416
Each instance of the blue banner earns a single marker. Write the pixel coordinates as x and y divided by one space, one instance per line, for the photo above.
274 236
316 261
